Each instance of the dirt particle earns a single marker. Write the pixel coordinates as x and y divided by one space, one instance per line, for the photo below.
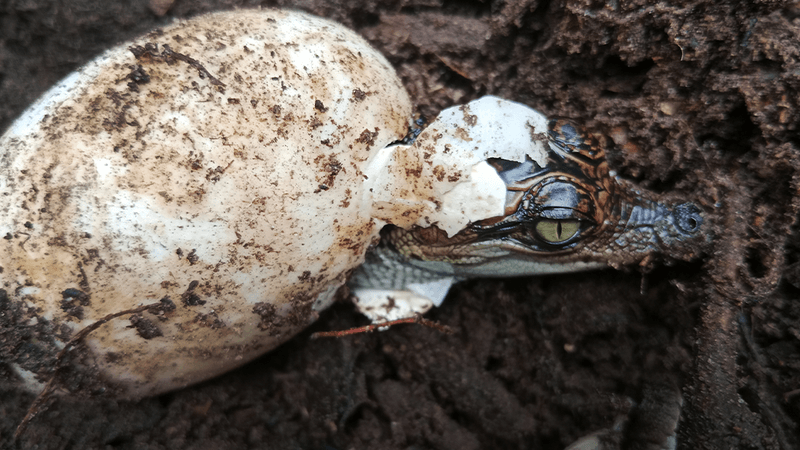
73 301
73 294
72 310
210 320
368 137
315 123
463 134
346 200
300 310
469 119
190 298
439 172
166 304
137 76
269 320
330 166
145 327
319 106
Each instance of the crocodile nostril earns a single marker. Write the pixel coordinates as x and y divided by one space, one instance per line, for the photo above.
688 218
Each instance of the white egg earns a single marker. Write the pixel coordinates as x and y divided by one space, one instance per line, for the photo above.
219 163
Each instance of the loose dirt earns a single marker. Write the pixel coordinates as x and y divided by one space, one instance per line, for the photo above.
701 100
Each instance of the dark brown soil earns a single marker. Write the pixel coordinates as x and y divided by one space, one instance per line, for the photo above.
701 100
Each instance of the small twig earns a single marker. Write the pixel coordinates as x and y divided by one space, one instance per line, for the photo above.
168 55
37 405
418 319
28 238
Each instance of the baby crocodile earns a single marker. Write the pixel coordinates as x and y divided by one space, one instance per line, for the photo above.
567 214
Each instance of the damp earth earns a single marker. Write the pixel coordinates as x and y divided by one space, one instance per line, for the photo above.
700 100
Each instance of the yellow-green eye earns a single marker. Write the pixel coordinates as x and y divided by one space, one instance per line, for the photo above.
557 231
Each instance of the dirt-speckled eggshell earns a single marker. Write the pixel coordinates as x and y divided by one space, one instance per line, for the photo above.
443 178
225 176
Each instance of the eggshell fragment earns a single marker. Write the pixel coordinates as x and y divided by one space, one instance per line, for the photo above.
448 182
216 164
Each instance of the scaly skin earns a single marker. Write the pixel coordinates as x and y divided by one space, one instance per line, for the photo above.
614 222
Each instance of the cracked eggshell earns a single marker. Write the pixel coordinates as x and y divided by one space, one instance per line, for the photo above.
448 181
444 179
225 176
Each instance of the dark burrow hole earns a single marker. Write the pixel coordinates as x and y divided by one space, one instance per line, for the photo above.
749 393
755 259
735 135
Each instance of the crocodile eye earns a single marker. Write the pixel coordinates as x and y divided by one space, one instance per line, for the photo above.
557 231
